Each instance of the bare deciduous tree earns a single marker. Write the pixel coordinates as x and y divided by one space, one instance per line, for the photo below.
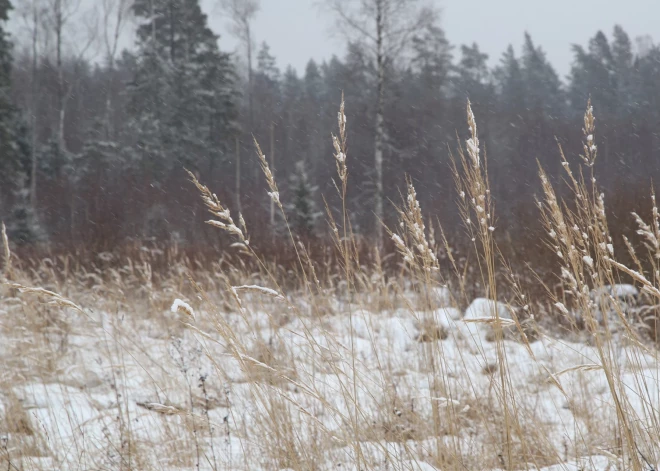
32 13
241 13
115 14
385 27
63 21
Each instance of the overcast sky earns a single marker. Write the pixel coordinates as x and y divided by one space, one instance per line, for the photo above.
298 30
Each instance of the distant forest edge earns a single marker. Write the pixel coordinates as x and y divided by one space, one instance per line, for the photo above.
93 153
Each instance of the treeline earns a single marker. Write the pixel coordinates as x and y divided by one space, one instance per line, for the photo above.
93 153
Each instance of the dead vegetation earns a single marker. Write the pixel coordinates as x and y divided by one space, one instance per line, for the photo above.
241 364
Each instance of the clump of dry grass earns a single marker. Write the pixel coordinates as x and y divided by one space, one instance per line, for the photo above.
304 374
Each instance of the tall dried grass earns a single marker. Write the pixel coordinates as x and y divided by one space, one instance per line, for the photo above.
273 368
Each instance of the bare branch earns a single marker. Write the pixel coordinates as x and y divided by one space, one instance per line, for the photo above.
115 14
401 19
241 13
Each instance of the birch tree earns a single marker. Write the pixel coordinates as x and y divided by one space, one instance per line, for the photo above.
241 14
73 34
386 27
115 14
32 13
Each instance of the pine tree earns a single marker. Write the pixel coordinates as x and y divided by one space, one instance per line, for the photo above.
14 151
623 65
291 116
592 75
267 92
182 98
432 57
23 227
542 86
472 71
510 125
510 82
303 212
648 96
312 126
472 80
11 155
421 118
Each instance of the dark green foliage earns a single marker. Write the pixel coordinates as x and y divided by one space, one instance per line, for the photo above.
173 104
182 96
303 211
23 225
15 205
541 87
14 150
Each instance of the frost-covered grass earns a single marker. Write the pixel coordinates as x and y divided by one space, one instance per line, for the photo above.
400 388
249 366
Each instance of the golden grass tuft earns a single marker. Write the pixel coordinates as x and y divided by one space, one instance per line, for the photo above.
352 361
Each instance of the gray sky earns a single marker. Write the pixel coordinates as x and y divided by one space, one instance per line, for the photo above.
298 30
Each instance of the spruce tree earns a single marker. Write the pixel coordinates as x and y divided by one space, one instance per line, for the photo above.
624 69
541 83
592 75
182 100
12 153
22 224
303 212
510 82
432 57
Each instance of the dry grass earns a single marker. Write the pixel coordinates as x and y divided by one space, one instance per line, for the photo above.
345 364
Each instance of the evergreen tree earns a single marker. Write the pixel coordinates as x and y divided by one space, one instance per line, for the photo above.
182 97
510 82
624 69
267 92
432 57
22 224
12 155
313 82
292 117
303 211
472 80
542 86
267 65
592 75
472 74
312 130
512 115
421 117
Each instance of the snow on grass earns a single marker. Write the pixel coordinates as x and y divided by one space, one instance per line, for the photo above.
104 396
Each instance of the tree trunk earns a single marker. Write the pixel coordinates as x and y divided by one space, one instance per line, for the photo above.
249 60
109 132
380 126
60 75
272 169
238 174
35 101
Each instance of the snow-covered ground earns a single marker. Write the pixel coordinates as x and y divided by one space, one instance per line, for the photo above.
135 388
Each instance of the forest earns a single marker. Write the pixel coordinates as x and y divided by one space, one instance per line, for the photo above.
407 257
95 150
